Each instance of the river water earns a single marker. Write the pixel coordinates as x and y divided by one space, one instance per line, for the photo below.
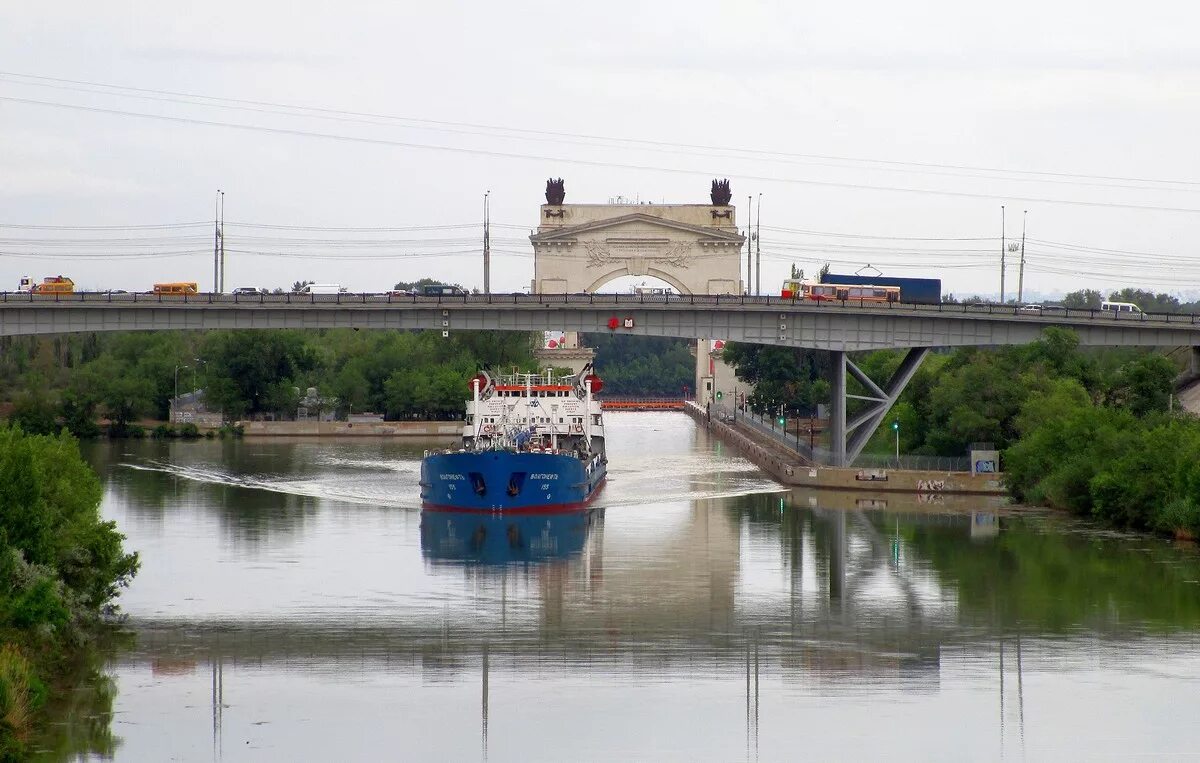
295 604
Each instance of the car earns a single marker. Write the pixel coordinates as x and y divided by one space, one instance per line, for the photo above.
1030 309
245 291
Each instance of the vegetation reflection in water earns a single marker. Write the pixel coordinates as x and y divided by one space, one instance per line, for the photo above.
844 590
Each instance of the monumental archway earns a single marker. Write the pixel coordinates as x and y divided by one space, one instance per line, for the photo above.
696 248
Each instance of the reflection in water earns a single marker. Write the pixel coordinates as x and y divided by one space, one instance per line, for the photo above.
346 621
472 538
82 715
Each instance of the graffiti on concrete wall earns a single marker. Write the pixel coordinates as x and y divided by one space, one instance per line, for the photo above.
930 486
871 475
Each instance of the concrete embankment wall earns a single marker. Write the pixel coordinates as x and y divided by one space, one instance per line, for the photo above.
786 467
351 429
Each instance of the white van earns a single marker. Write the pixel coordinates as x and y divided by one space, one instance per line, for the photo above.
323 288
1120 307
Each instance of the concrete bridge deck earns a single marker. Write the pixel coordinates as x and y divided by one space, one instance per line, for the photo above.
846 327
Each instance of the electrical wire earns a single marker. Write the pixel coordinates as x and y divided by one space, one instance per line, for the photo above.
596 163
605 141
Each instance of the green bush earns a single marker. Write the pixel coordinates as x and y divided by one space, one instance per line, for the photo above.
164 432
61 566
189 431
231 430
34 414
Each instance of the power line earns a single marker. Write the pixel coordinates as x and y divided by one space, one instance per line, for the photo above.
521 133
594 163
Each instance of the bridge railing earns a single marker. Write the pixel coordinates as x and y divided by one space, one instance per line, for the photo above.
820 455
603 300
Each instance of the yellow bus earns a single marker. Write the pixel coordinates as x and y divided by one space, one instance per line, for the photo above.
180 289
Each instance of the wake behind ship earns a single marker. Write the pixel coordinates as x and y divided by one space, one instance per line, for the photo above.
531 442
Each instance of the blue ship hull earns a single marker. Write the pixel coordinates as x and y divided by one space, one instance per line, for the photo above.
499 480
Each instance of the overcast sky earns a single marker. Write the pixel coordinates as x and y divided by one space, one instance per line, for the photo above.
1080 91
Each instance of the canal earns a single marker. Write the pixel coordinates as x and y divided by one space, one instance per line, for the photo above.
294 603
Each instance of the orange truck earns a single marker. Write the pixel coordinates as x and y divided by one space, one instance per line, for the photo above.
49 285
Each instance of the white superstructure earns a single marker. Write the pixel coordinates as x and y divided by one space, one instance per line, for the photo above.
535 410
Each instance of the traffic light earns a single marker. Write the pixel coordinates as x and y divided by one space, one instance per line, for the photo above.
720 394
896 426
782 421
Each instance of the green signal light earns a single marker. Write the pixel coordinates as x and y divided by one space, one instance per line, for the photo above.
782 421
896 425
720 394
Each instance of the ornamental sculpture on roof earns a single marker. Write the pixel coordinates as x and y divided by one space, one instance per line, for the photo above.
720 193
556 191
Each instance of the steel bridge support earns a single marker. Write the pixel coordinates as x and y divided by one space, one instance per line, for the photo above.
849 435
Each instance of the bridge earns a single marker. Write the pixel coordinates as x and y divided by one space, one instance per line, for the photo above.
642 403
837 327
832 326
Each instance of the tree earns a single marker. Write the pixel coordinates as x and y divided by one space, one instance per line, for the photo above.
1084 299
1144 385
245 368
34 413
1147 300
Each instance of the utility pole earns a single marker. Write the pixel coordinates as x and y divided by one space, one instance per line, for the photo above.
1021 272
1002 248
216 239
222 242
758 251
749 243
487 247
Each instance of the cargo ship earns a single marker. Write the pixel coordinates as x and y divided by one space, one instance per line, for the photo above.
530 442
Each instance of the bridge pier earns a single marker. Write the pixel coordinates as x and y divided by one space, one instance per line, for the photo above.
850 435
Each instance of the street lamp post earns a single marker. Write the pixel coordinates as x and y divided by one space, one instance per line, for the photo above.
896 429
175 399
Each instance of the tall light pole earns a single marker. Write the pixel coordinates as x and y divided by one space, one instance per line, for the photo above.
1021 272
176 397
749 244
487 246
758 251
896 429
216 241
222 242
198 363
1002 249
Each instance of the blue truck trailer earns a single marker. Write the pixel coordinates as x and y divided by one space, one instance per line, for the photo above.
923 291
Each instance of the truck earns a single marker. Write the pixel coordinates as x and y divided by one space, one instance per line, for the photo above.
921 291
50 285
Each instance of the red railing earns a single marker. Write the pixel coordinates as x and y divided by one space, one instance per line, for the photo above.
642 403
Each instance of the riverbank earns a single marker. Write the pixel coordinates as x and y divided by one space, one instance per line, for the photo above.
351 429
788 468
